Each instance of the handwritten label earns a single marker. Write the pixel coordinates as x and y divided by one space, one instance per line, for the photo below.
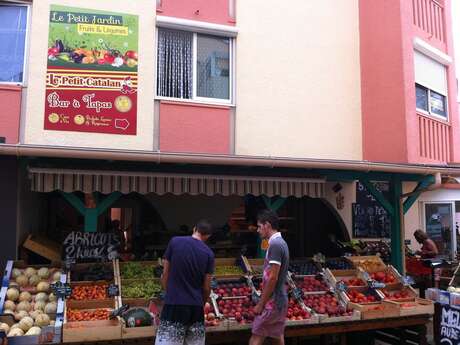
92 246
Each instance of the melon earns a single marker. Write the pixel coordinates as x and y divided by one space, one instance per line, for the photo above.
51 308
30 271
25 296
12 294
41 296
26 323
24 305
52 297
4 327
9 305
43 287
20 315
43 273
34 331
16 273
22 280
40 305
34 280
42 320
16 332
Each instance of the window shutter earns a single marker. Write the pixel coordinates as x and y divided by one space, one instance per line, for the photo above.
430 73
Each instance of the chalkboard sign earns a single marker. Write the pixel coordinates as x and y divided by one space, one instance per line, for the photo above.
369 218
90 246
446 324
61 290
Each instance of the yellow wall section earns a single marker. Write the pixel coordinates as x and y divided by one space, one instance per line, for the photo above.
298 79
33 121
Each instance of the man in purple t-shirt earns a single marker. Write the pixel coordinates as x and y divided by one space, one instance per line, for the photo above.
188 267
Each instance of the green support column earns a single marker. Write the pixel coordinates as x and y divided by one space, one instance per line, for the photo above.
91 215
397 254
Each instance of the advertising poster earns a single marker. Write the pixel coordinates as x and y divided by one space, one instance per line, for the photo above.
91 81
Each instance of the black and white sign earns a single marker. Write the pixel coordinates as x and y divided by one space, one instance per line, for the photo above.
447 324
113 290
90 246
370 219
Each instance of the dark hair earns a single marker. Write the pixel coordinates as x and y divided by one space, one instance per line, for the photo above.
270 217
204 227
420 234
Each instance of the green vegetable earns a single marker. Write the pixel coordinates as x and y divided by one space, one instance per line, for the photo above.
137 270
143 289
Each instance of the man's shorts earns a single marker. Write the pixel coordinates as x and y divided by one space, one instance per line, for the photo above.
270 323
181 325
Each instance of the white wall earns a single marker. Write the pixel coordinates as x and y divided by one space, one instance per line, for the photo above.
33 132
298 91
349 193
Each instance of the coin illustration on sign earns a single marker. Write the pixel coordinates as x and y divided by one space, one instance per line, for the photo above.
123 104
53 118
79 119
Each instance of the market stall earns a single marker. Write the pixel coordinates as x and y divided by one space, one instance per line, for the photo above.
121 301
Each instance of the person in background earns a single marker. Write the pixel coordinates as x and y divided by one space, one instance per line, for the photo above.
188 267
429 249
272 308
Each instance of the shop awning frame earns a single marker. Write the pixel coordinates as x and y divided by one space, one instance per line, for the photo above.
106 182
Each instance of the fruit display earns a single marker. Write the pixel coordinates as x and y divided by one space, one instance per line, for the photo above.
210 318
228 270
310 284
296 312
362 296
399 294
380 248
87 315
140 289
338 264
326 304
303 267
353 282
94 272
89 292
368 263
232 289
240 310
384 277
138 270
29 300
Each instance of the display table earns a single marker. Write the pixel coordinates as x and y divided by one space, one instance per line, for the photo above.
416 322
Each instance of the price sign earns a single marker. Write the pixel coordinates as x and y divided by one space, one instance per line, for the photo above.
61 290
69 262
319 258
297 293
341 286
113 290
375 284
408 280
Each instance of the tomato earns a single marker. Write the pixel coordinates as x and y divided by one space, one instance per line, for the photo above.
53 51
131 54
109 58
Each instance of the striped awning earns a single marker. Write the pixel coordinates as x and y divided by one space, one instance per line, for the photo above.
87 181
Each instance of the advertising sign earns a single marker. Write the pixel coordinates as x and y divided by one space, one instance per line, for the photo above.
91 81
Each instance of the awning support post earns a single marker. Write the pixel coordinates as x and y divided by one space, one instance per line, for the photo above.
427 181
91 215
397 235
394 208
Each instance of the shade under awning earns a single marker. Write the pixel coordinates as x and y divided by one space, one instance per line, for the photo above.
88 181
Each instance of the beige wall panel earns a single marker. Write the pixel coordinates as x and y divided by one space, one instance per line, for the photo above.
298 79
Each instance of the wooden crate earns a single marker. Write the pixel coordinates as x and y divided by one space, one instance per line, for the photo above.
90 303
399 287
85 266
360 261
334 276
413 306
355 316
44 247
375 310
85 331
314 319
219 262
